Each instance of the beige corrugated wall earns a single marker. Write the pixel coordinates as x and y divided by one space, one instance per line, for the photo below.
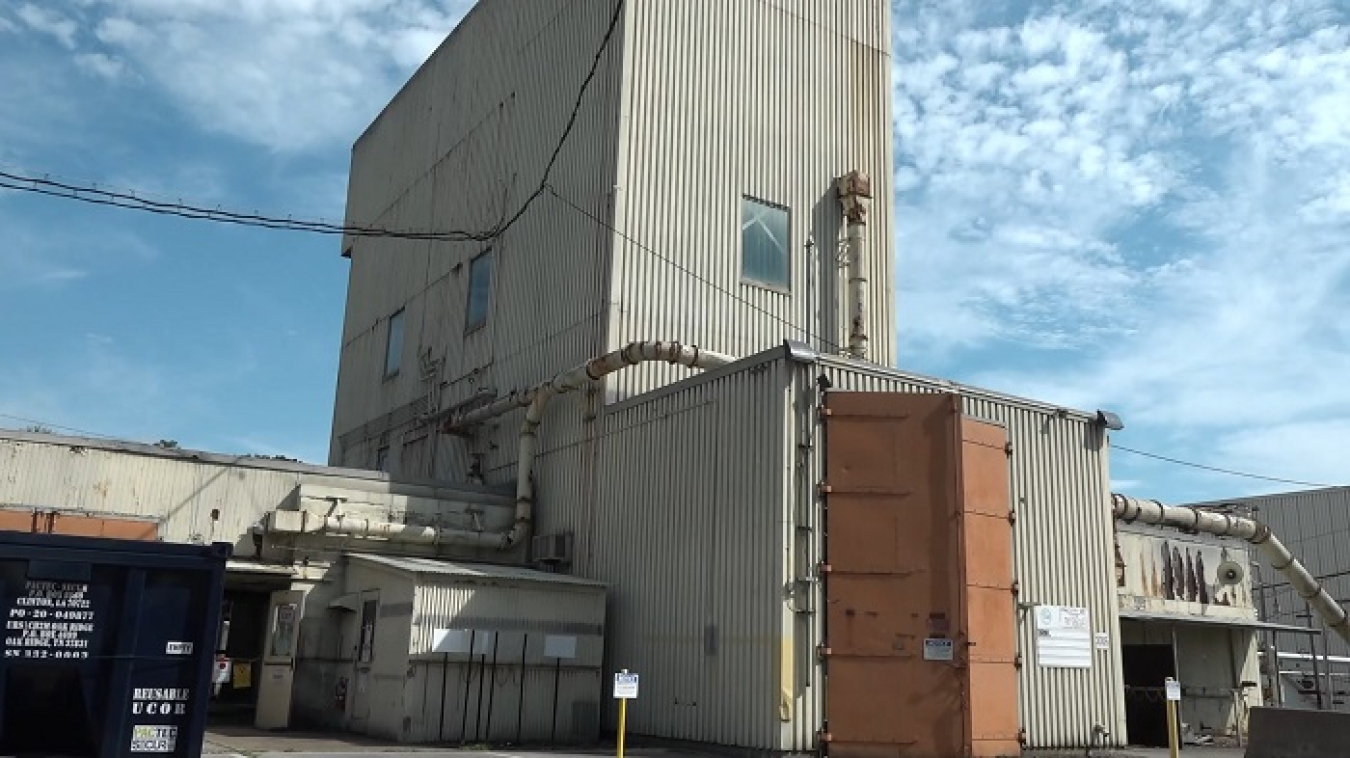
461 147
1061 546
685 529
767 98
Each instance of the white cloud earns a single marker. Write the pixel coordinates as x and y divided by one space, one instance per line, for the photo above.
291 76
1137 207
102 65
48 21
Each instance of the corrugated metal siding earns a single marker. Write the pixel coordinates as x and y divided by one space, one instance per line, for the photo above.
686 527
1315 526
519 706
523 616
179 490
179 494
1062 547
461 147
767 98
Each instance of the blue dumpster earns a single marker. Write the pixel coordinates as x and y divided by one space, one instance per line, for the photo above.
108 645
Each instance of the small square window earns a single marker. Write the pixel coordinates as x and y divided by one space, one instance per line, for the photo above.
764 244
393 346
480 291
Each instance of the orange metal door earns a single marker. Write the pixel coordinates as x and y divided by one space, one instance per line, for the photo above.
990 607
919 614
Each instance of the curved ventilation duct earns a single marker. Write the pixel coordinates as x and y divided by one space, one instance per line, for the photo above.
536 399
1129 509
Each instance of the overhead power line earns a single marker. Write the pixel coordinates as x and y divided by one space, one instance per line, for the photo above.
1217 469
95 195
49 425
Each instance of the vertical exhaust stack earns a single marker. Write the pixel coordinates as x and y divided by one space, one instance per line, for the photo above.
855 195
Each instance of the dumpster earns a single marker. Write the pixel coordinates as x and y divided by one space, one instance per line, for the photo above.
108 646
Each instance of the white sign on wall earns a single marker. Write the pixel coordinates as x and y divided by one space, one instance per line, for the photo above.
1063 637
936 649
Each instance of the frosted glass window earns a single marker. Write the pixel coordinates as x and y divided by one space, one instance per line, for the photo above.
393 346
764 244
480 291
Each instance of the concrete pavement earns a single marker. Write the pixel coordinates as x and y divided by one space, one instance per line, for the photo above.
243 742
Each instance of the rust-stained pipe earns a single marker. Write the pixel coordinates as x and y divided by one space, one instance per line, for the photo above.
855 195
1129 509
536 399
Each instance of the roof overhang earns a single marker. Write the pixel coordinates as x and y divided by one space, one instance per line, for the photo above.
1214 621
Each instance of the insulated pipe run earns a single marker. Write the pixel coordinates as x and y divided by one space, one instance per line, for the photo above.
855 195
394 532
535 399
1130 509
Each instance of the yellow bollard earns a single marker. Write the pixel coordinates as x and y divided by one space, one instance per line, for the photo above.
1173 688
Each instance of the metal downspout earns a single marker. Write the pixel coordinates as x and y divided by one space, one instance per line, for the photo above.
1130 509
535 400
855 195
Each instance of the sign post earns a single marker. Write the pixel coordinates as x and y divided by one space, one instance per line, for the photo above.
1173 688
625 689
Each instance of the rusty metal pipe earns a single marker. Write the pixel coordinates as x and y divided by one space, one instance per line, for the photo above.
855 195
535 400
1129 509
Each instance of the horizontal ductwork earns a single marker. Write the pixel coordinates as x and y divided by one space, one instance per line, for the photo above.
1128 510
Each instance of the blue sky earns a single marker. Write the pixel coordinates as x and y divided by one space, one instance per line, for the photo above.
1136 206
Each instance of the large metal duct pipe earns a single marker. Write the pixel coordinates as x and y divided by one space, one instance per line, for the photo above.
536 399
855 195
301 522
1128 509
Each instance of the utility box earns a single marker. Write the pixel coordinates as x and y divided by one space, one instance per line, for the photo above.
108 645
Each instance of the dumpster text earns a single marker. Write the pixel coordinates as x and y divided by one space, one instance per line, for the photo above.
51 620
160 701
153 738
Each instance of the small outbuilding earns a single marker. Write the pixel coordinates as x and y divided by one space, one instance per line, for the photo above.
427 651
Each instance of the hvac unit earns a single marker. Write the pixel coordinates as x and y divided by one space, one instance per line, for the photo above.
553 548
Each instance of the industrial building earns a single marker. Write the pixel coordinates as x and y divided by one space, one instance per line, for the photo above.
616 392
711 193
1315 669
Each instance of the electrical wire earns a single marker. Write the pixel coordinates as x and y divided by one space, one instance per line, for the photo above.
48 425
92 194
1230 472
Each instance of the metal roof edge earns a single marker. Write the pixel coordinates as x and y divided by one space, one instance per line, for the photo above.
410 487
771 355
887 372
471 571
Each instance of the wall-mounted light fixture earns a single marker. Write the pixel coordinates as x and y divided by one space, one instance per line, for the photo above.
1110 420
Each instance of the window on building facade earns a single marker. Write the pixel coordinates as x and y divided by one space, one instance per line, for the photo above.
393 346
764 244
382 459
480 291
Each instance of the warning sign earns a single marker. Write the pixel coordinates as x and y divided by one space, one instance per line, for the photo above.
153 738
